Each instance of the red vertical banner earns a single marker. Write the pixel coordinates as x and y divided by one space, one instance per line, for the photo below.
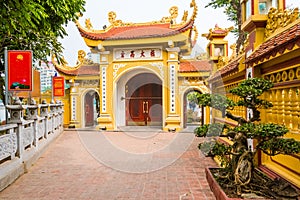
58 85
19 70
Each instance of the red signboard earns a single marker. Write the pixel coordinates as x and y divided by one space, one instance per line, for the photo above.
58 84
19 70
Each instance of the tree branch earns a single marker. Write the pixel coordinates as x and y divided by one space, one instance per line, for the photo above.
238 119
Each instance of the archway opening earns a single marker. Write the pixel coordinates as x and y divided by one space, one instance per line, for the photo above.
143 100
91 108
193 112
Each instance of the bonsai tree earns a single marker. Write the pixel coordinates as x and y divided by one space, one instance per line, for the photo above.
238 170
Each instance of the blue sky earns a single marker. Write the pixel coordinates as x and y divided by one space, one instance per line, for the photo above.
145 11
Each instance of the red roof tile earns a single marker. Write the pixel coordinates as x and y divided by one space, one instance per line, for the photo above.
136 31
229 68
84 70
276 44
195 66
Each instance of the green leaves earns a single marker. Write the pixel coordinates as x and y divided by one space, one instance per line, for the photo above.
252 88
270 130
277 146
213 148
36 25
261 131
209 130
216 101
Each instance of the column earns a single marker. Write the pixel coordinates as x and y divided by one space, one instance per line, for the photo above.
105 121
74 102
172 122
295 109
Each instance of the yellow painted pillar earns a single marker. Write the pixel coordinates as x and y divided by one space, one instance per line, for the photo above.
172 122
105 120
75 105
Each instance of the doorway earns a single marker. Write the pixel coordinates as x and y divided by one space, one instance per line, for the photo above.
193 112
91 108
143 95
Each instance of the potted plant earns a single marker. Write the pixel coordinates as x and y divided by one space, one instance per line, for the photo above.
238 173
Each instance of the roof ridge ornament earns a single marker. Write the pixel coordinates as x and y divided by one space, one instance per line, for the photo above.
81 60
116 22
194 5
88 24
217 31
173 15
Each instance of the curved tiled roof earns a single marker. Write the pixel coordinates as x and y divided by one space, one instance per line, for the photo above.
277 44
83 70
195 66
185 66
136 31
228 69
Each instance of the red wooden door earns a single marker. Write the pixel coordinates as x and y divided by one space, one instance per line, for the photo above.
89 110
143 101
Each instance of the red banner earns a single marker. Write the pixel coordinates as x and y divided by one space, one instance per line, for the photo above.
58 84
19 70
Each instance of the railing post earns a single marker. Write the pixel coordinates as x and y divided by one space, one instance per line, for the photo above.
44 113
60 113
52 115
16 117
32 114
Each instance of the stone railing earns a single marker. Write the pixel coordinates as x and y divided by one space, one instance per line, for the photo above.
29 130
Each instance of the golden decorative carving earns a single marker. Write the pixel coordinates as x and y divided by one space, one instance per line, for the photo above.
217 30
114 22
112 19
278 18
173 15
81 56
291 74
298 72
222 61
194 5
88 24
174 12
233 55
284 76
185 15
80 61
196 33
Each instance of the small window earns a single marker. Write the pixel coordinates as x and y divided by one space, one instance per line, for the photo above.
265 5
262 7
219 50
248 9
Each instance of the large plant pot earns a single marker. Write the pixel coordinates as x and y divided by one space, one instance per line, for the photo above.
215 187
218 191
280 188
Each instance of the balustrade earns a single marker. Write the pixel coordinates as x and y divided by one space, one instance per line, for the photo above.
28 130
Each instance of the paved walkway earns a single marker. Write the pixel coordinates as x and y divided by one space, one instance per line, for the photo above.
74 167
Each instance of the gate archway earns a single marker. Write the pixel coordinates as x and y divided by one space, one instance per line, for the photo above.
143 100
91 108
192 111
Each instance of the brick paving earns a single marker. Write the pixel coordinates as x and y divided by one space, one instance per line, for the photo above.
68 170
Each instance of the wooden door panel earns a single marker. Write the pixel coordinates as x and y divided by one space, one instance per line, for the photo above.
89 110
143 100
135 109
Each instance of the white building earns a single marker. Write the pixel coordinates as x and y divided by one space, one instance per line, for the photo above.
46 74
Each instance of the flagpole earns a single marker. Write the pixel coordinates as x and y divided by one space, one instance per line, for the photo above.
6 82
